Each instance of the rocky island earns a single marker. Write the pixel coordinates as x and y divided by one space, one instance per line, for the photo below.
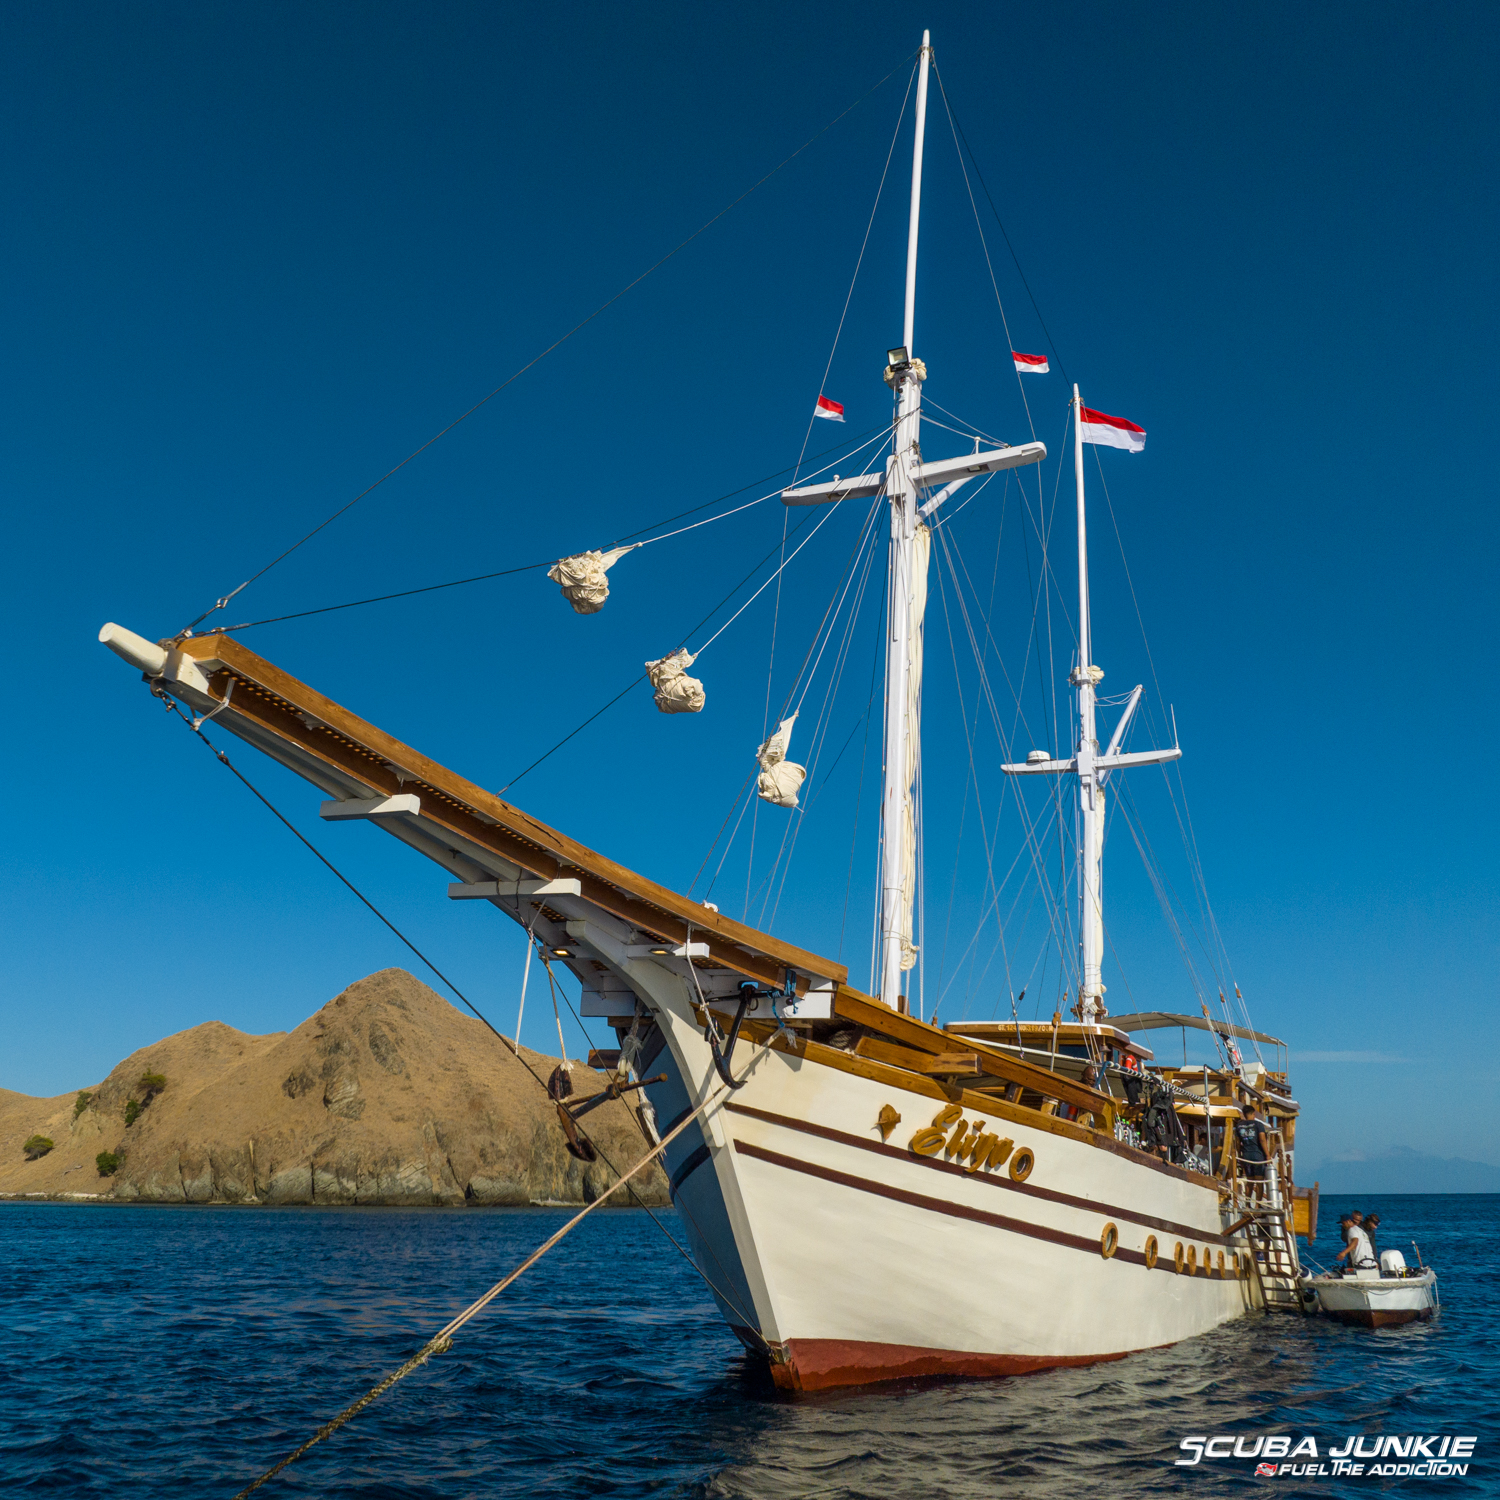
387 1095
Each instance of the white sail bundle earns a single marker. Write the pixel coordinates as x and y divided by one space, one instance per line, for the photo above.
584 578
921 550
779 779
676 692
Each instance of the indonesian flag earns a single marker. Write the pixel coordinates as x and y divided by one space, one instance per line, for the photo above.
831 411
1030 364
1112 432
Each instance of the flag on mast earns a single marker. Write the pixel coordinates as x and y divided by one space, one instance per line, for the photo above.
1111 432
1029 364
832 411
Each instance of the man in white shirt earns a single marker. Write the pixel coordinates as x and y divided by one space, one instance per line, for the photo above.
1360 1252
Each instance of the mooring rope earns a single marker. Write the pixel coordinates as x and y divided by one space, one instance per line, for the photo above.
442 1340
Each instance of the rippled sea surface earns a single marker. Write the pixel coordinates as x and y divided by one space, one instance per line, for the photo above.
179 1352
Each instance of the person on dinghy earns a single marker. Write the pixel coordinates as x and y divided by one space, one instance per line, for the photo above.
1361 1255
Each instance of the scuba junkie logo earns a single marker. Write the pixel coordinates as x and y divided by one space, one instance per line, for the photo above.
1363 1456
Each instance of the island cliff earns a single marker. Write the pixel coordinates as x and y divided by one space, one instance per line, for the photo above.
387 1095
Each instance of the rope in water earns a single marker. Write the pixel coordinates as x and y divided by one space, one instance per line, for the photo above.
442 1340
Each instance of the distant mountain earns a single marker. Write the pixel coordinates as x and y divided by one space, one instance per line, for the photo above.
1402 1170
387 1095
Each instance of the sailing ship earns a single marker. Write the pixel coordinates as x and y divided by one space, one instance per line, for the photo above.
869 1195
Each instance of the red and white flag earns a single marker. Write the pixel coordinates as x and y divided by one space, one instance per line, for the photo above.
1112 432
1030 364
832 411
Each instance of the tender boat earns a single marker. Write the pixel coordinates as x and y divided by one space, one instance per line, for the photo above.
1396 1293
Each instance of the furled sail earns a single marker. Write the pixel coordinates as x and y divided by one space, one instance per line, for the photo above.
583 577
921 549
779 778
676 692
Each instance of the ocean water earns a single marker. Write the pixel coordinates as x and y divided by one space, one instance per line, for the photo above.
181 1351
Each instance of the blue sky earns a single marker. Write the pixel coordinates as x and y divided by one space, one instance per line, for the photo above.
256 256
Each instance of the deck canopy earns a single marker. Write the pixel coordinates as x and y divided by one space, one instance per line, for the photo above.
1159 1020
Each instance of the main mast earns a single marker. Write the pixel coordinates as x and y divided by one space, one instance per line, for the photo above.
902 685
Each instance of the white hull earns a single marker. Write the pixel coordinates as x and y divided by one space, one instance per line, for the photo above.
1376 1303
846 1258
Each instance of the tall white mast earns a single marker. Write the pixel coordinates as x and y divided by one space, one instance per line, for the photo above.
1090 766
905 479
1090 785
905 374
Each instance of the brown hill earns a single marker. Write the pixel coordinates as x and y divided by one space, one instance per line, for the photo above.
386 1095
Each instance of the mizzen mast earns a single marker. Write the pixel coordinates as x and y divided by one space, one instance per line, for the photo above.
1090 766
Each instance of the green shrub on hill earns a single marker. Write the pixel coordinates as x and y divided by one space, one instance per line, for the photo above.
132 1111
38 1145
82 1103
151 1085
108 1162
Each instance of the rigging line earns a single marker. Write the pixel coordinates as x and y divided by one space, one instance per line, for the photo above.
835 603
765 719
931 421
979 177
863 245
820 738
636 681
621 1178
859 791
720 834
862 440
1200 936
989 264
948 518
765 726
987 692
1164 896
365 901
964 810
750 862
989 611
442 1341
1047 578
681 1208
867 532
557 343
719 868
1026 822
973 431
829 510
879 432
984 916
984 833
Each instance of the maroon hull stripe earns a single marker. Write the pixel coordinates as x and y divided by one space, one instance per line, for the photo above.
961 1211
1051 1195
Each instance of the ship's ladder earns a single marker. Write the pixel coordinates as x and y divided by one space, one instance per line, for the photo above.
1273 1244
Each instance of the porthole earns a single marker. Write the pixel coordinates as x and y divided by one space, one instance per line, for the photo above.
1179 1257
1192 1260
1021 1164
1109 1241
1150 1252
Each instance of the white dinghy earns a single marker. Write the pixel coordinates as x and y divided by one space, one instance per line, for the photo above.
1396 1293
